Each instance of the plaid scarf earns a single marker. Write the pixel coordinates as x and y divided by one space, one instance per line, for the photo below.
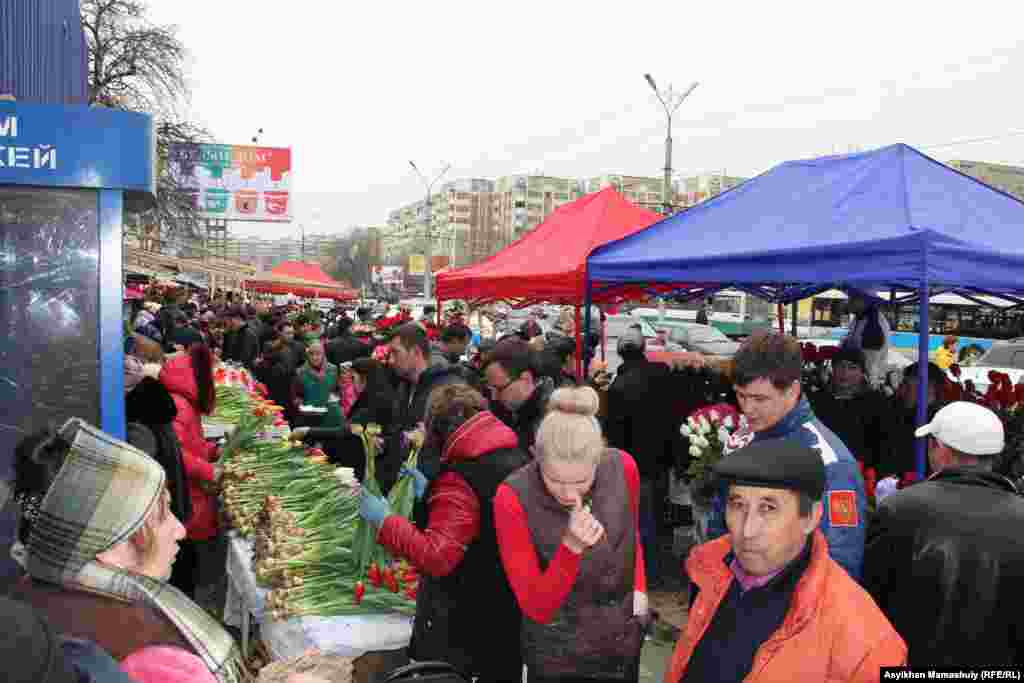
100 497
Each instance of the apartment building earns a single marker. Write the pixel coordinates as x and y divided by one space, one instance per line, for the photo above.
472 218
642 191
521 202
696 189
264 254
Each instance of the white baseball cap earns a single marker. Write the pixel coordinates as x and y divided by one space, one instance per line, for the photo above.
968 428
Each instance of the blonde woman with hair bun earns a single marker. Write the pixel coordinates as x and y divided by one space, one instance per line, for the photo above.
568 531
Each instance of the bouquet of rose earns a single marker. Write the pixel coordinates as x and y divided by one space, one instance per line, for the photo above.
708 430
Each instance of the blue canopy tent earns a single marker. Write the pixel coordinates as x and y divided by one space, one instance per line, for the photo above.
890 219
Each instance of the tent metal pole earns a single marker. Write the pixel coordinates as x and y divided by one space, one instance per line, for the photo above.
579 346
781 314
795 305
923 339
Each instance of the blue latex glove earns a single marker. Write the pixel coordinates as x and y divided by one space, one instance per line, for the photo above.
419 480
373 509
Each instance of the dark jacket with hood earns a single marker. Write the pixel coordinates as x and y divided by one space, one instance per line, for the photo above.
150 404
410 410
641 419
944 560
455 549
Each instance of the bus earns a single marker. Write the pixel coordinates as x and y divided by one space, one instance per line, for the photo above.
981 316
735 313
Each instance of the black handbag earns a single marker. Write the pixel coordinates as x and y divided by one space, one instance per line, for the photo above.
427 672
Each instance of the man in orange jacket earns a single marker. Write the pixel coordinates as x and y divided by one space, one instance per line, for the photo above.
770 604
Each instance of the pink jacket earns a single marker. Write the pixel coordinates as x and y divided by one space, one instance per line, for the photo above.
197 453
166 664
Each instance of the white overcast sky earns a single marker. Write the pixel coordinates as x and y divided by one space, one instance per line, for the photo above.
357 89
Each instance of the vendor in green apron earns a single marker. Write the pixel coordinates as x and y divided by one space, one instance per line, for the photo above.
316 380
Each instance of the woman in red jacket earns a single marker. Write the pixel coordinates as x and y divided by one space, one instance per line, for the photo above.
568 530
466 613
189 380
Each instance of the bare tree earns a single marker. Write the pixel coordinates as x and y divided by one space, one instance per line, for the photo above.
139 66
348 258
133 63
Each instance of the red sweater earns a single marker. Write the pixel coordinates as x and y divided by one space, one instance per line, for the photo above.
541 593
454 510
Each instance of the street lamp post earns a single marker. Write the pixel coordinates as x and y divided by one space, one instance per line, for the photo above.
427 251
670 101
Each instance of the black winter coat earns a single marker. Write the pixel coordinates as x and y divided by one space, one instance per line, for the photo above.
277 374
944 559
410 409
150 404
346 348
640 416
242 346
863 422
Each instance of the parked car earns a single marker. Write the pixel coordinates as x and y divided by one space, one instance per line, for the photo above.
1006 357
704 339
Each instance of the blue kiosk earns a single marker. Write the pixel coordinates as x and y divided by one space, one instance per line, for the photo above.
67 174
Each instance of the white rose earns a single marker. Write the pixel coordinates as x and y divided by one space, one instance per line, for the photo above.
695 452
694 425
703 442
714 416
727 422
685 430
743 421
723 435
346 476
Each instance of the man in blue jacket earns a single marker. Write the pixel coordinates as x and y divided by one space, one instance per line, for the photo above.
767 384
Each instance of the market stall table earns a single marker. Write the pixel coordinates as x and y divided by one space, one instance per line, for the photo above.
348 636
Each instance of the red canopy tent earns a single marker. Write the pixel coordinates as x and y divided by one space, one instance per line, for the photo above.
301 279
548 264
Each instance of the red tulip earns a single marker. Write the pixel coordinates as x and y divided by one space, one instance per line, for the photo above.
360 590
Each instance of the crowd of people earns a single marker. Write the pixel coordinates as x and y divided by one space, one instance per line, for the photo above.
540 502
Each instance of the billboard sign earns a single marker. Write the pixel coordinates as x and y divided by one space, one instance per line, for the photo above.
232 182
388 276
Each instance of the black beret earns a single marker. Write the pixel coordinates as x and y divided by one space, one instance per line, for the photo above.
776 464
